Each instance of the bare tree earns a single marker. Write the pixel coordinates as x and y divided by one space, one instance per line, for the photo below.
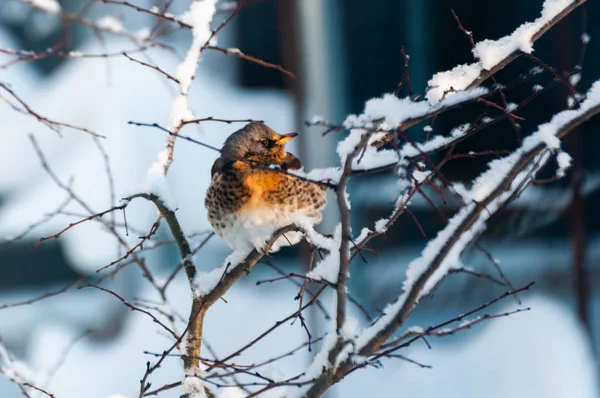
377 143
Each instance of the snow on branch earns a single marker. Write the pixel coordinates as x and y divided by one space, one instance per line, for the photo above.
207 289
505 178
49 6
347 345
494 55
457 86
394 111
198 16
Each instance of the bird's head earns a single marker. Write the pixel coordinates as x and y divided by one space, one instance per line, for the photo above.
257 143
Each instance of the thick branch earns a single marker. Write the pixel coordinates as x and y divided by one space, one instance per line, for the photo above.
344 209
201 304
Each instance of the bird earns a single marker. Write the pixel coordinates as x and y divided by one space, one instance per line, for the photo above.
252 194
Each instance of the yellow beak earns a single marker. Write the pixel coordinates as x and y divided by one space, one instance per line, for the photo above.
285 138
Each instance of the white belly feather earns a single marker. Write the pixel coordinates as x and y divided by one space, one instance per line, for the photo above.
251 229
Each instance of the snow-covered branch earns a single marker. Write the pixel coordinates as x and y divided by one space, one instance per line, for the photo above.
505 178
460 85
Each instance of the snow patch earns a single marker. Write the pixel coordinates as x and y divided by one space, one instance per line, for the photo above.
575 79
199 16
180 111
393 110
332 174
156 181
499 171
143 34
381 225
111 24
491 52
411 150
564 163
205 282
49 6
231 392
192 384
328 268
456 79
585 38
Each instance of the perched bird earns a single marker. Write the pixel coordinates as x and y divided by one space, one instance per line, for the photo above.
251 195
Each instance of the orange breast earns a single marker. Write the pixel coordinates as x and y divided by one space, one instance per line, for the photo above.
270 190
259 183
263 181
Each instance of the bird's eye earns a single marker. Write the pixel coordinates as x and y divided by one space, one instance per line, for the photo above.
264 142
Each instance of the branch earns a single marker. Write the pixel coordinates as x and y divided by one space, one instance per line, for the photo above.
344 249
133 308
156 68
39 389
414 333
478 212
484 75
235 11
444 103
212 119
275 326
62 290
53 125
200 304
178 235
441 253
73 224
415 151
164 16
236 52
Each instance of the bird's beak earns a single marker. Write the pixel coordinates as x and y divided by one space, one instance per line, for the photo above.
285 138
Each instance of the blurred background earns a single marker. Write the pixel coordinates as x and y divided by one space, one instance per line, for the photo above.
343 52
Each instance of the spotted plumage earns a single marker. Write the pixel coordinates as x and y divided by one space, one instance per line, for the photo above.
252 195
